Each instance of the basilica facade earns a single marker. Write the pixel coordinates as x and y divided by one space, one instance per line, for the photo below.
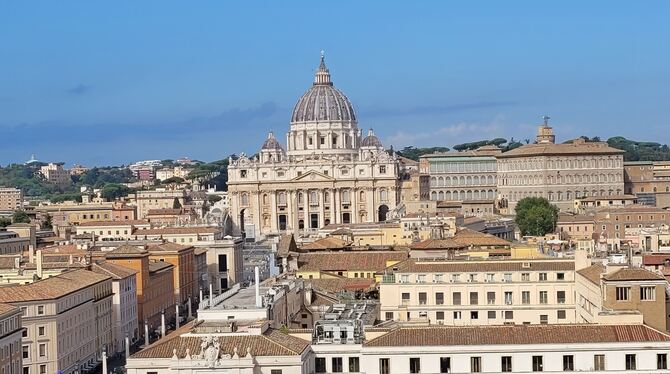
329 172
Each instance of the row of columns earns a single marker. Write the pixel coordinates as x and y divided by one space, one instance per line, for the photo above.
293 136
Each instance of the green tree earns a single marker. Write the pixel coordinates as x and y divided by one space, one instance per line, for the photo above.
47 222
536 216
112 191
173 180
20 216
4 222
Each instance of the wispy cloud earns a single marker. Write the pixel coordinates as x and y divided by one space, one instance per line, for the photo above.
80 89
449 134
432 109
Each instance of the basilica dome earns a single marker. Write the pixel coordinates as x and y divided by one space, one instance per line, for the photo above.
371 140
323 102
271 144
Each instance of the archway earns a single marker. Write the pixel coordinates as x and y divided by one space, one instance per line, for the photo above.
383 210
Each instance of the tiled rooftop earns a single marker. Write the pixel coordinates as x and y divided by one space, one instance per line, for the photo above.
348 261
51 288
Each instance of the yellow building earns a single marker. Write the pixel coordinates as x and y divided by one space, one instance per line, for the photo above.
352 264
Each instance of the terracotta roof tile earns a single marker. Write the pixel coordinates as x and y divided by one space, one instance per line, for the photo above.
286 245
446 243
127 250
576 148
631 274
418 266
168 247
177 231
51 288
655 259
469 237
592 273
329 242
155 266
113 270
7 308
348 261
518 334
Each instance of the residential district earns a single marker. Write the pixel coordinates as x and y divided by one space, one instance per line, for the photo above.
328 253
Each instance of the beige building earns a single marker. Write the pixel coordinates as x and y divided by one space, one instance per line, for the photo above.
68 320
330 172
620 293
560 173
54 173
463 176
158 199
649 181
489 292
10 339
10 198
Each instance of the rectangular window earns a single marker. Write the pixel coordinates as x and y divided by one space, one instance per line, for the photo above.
491 314
568 363
455 278
405 297
26 352
475 364
599 362
445 365
42 350
457 315
543 277
525 297
622 293
648 293
382 169
543 297
389 316
320 363
490 298
525 277
630 362
423 298
544 319
384 366
275 371
474 314
439 316
507 277
414 365
509 314
560 297
40 309
337 365
354 364
508 298
474 298
560 314
560 276
662 361
506 364
457 298
43 369
439 298
537 363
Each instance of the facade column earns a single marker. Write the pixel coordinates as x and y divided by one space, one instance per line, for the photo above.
337 212
354 205
257 212
371 205
334 212
274 224
296 209
322 211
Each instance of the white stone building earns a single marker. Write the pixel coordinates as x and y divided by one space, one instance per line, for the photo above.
329 173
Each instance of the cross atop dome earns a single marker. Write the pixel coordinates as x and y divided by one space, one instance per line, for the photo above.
322 74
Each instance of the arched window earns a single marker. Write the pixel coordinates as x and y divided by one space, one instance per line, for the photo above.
300 198
313 197
282 198
383 195
361 196
326 196
433 195
265 198
440 195
345 197
440 181
244 200
433 182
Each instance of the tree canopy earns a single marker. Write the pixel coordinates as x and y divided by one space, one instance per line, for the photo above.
640 151
20 216
113 191
414 153
536 216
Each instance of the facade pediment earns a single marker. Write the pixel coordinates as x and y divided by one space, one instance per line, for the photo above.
313 176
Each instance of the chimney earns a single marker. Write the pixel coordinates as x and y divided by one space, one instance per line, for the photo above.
259 302
39 263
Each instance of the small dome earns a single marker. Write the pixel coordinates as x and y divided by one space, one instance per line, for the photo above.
371 140
271 143
323 102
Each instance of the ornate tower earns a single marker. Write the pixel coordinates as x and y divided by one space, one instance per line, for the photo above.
545 134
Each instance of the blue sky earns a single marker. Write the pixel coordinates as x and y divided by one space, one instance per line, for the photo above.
102 83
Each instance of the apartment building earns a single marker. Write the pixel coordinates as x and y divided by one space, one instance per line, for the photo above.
11 243
182 235
618 293
611 223
184 271
486 292
112 230
67 321
10 198
158 199
575 226
65 214
649 181
54 173
10 339
154 283
358 264
124 301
